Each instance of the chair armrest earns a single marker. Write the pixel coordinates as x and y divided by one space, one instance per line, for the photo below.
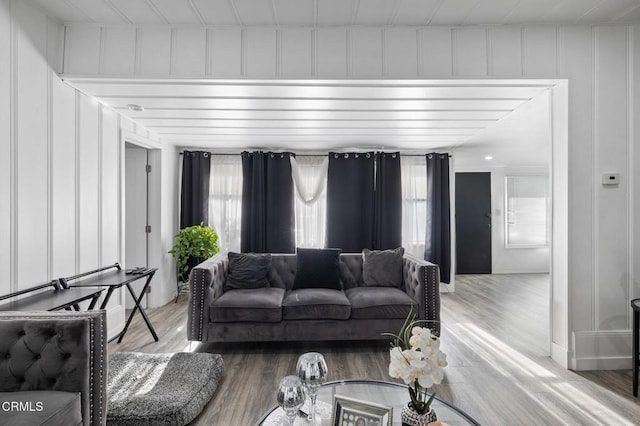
205 285
61 351
421 281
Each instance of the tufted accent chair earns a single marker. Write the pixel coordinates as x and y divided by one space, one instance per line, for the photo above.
50 357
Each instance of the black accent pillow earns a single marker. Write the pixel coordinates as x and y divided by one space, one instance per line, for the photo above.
318 268
247 270
382 268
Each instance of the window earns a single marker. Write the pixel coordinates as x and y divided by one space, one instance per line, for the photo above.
527 199
414 203
225 200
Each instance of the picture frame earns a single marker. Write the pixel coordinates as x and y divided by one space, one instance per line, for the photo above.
354 412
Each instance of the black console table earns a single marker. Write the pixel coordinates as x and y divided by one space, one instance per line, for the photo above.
53 298
114 277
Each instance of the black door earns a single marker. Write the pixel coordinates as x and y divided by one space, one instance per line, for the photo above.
473 223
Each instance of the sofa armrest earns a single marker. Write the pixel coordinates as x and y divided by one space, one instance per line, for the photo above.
422 283
60 351
205 285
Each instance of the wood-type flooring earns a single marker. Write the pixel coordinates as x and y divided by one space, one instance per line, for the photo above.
495 335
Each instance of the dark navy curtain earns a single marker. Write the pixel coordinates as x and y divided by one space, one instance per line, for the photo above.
364 194
267 224
350 186
387 202
438 238
194 197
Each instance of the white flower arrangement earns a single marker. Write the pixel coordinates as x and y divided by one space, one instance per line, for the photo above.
416 358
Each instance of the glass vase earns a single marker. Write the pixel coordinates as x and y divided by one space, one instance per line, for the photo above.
411 417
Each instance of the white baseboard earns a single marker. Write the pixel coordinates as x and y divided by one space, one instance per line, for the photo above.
601 350
520 271
617 363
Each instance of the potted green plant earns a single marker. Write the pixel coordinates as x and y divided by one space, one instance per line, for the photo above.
191 246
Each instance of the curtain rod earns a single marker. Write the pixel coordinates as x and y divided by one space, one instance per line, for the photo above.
314 155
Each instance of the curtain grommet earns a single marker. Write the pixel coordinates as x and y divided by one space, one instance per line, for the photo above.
356 155
368 155
346 155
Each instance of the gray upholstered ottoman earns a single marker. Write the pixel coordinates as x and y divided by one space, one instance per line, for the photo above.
160 389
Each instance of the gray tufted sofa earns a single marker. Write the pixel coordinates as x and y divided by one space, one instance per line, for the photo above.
278 313
53 368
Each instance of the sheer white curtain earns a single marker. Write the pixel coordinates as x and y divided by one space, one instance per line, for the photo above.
414 203
225 200
310 180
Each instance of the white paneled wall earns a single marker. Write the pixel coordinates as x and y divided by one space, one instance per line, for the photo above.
260 57
109 185
400 50
505 51
59 158
154 52
611 148
119 45
436 52
634 159
331 52
509 51
31 146
470 53
189 45
540 45
601 65
224 52
84 47
6 145
365 52
299 45
63 180
88 196
576 62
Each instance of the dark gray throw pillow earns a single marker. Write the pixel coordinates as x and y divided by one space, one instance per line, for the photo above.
317 268
247 270
382 268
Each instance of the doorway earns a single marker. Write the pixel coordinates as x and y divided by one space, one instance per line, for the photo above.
136 211
473 222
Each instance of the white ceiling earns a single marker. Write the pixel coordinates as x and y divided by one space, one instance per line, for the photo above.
321 115
342 12
312 115
521 138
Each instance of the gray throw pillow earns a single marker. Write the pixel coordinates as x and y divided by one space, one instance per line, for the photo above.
382 268
247 271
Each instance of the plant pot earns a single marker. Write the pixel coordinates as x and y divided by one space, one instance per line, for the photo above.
411 417
195 261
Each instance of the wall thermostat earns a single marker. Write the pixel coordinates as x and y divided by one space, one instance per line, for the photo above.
610 178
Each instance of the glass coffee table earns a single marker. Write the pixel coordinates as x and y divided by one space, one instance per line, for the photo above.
395 395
